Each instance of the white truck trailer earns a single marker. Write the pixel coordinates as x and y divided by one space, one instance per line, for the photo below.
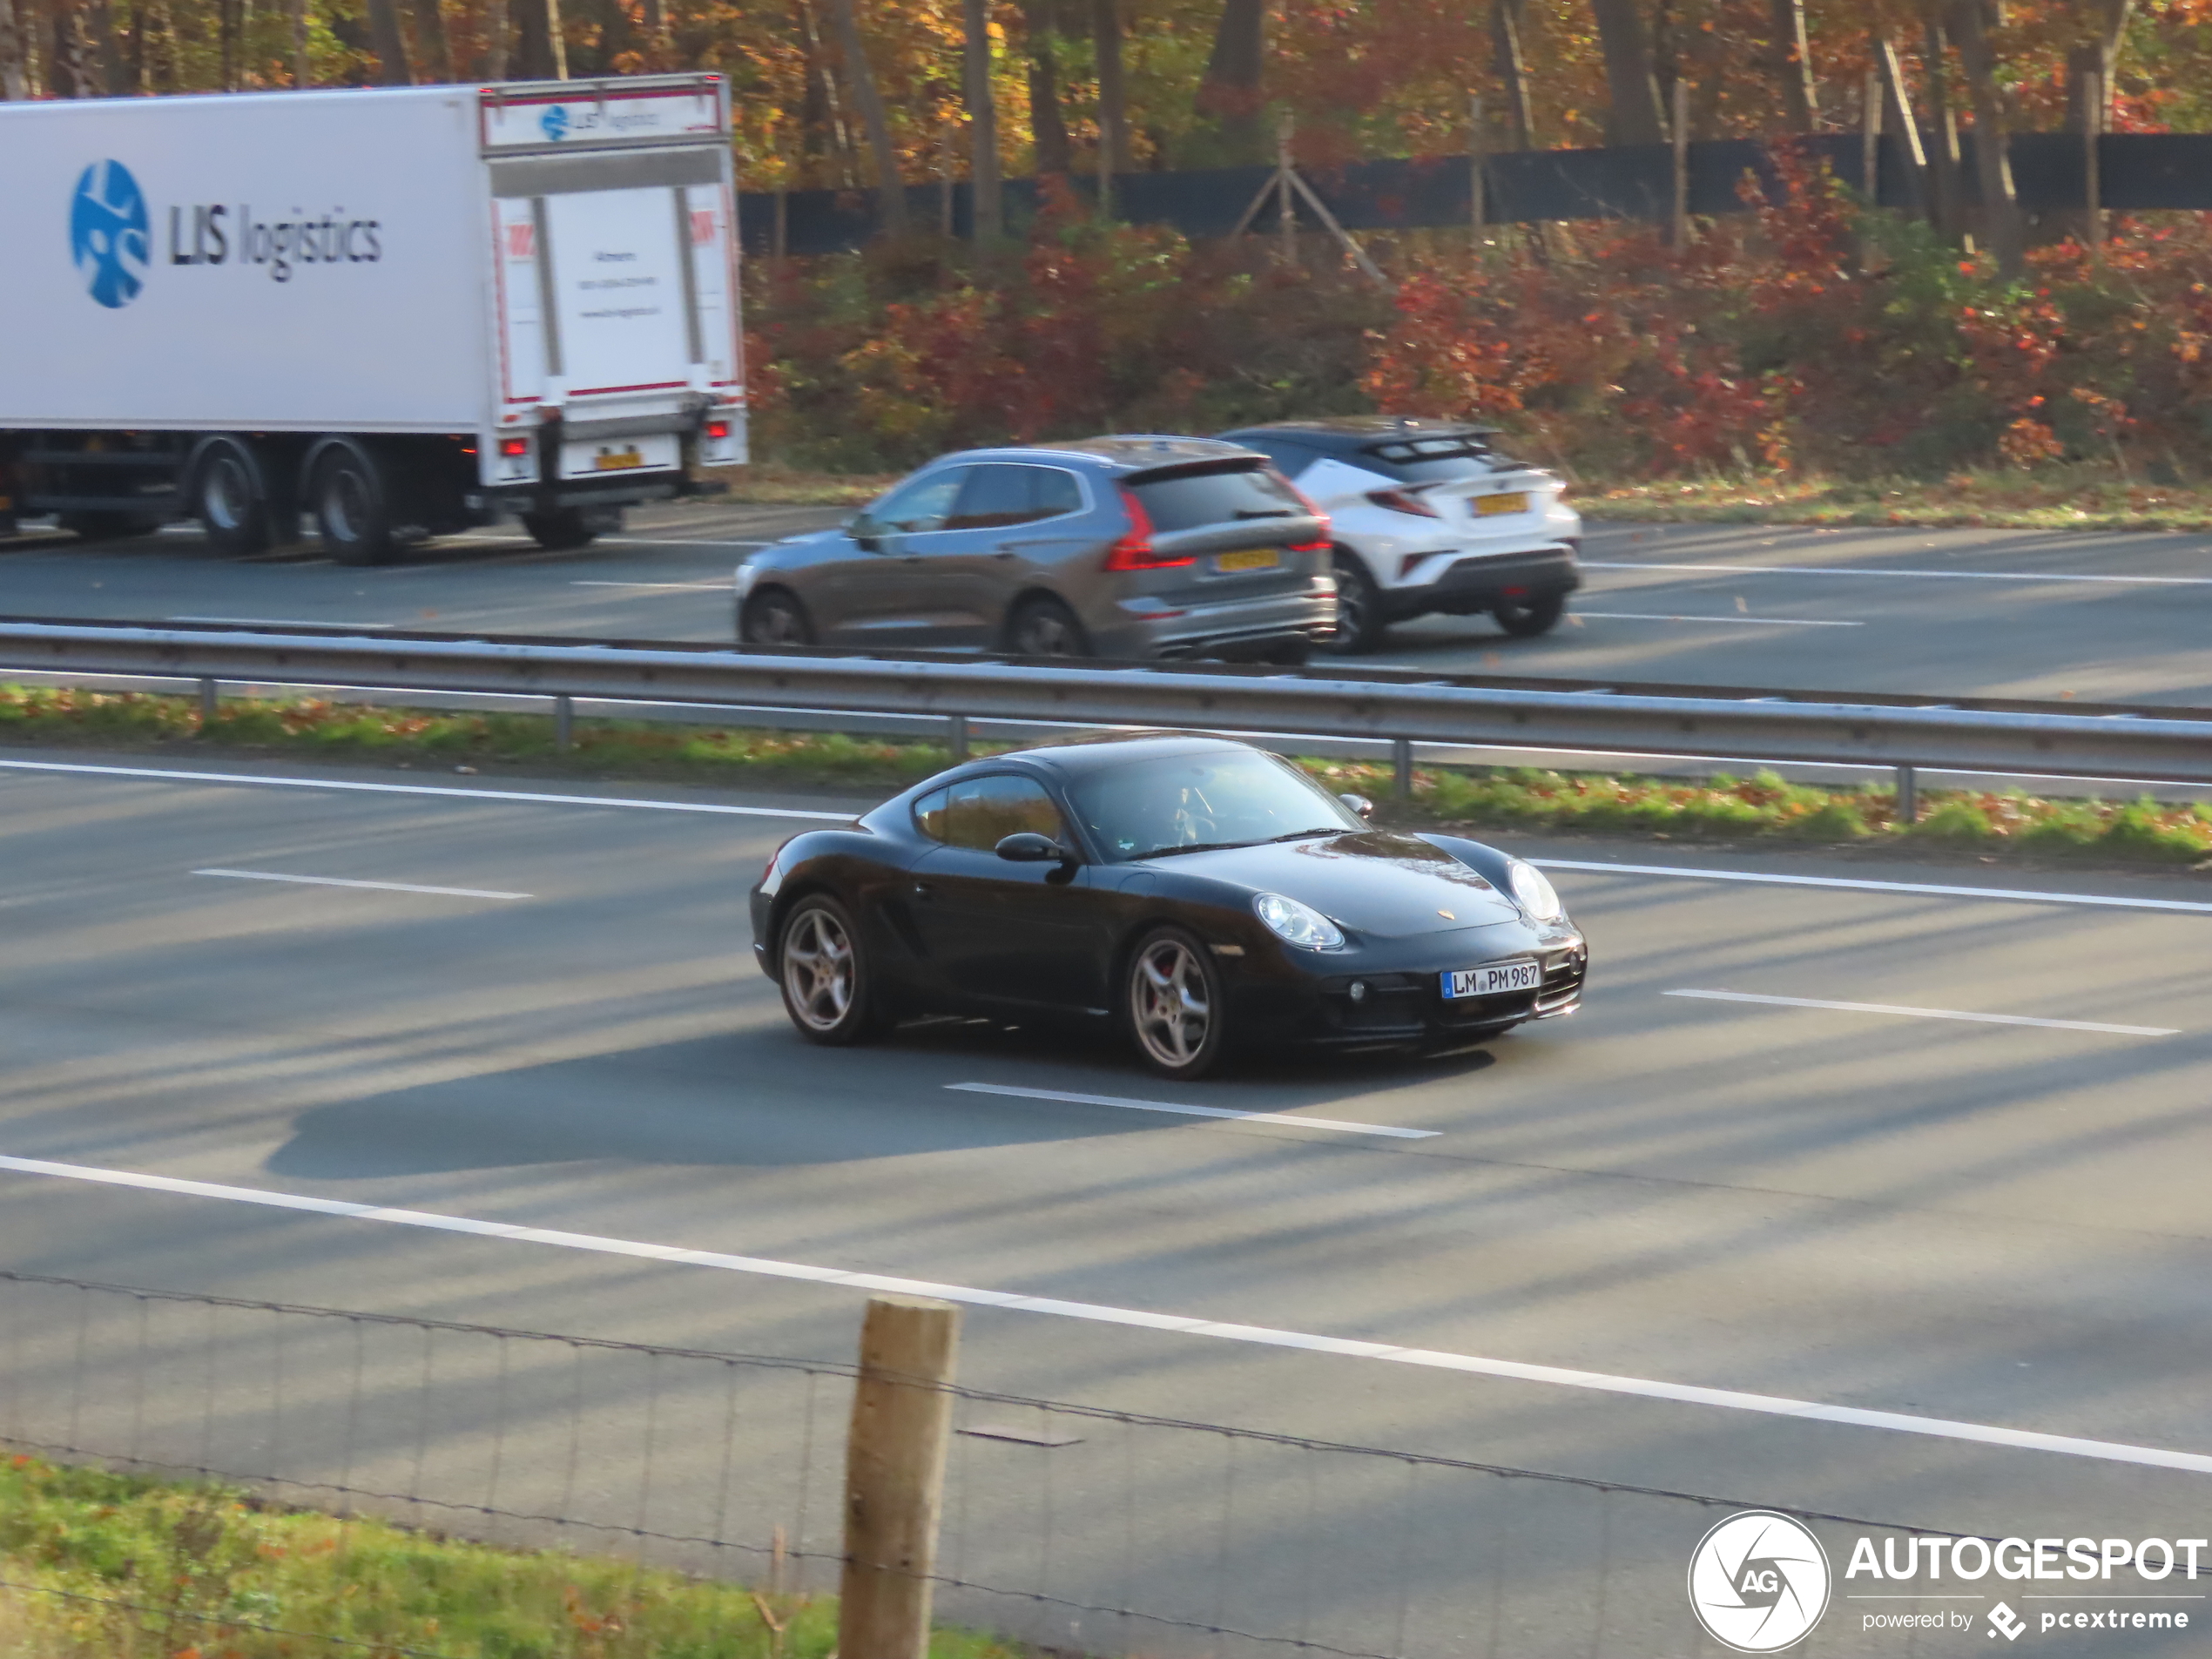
397 312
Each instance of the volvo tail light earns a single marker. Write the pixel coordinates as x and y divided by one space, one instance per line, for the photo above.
1135 550
1320 544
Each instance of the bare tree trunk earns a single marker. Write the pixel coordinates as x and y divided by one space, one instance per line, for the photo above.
430 32
1631 81
303 73
660 36
540 52
69 71
1899 116
983 121
14 84
389 43
1506 18
1945 174
1793 66
860 78
1040 20
1113 86
1229 96
1993 151
2097 54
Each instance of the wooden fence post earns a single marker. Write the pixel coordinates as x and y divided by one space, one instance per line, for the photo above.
894 1476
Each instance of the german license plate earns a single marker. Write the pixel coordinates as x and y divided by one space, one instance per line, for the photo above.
1492 979
1512 501
1258 558
610 460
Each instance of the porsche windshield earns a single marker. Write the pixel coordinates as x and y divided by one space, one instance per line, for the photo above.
1216 798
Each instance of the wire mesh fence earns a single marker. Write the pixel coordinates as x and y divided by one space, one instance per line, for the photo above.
1067 1528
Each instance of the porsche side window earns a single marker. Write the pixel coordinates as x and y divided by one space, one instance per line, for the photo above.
930 816
985 811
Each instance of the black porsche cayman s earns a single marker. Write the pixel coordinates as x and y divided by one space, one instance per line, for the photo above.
1205 894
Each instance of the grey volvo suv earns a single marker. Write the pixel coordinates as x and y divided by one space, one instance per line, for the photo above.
1130 547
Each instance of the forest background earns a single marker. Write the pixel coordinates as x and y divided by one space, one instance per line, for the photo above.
1809 334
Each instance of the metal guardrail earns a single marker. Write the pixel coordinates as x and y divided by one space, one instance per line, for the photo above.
2047 739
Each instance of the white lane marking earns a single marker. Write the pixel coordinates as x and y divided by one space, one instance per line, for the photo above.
269 622
1860 570
675 587
1294 1121
2007 893
1929 1014
378 887
1763 622
1267 1336
527 797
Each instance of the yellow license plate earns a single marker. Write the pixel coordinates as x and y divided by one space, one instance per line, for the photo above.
615 460
1258 558
1490 506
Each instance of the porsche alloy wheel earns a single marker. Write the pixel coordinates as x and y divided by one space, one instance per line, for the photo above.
824 973
1174 1005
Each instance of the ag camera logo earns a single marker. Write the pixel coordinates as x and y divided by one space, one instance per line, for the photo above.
1758 1582
110 234
554 123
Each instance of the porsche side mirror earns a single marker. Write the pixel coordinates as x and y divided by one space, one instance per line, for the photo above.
1359 804
866 535
1027 846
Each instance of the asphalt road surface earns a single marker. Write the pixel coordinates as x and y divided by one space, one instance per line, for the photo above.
2102 617
1926 1142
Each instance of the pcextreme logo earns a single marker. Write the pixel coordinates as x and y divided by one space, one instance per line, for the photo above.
111 235
554 123
1758 1582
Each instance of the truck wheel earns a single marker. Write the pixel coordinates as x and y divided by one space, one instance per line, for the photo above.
353 511
231 498
561 529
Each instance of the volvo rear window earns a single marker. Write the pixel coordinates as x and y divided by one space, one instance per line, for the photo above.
1188 501
1428 460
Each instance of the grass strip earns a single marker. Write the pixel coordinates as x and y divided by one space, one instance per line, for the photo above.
2075 497
96 1565
1719 808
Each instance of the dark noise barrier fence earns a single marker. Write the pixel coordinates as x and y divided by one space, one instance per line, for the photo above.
2137 172
1080 1530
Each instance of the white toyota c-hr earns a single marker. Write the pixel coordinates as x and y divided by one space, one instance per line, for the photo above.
1427 517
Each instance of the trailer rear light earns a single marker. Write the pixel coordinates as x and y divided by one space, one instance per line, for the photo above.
1135 550
1400 501
513 446
717 431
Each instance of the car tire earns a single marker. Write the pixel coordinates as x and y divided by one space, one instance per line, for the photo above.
824 972
1172 1006
1536 617
230 497
774 618
351 504
1360 623
1044 627
562 530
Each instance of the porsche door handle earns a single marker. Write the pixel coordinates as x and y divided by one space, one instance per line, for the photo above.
925 891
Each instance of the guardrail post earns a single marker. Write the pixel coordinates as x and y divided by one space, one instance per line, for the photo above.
1401 769
894 1476
1908 796
956 736
210 700
563 723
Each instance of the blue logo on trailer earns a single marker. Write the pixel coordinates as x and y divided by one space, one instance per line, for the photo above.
109 235
554 123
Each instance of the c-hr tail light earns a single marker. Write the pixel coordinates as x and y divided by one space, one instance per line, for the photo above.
1401 500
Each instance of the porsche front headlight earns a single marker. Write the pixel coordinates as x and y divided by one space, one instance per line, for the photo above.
1298 924
1537 895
